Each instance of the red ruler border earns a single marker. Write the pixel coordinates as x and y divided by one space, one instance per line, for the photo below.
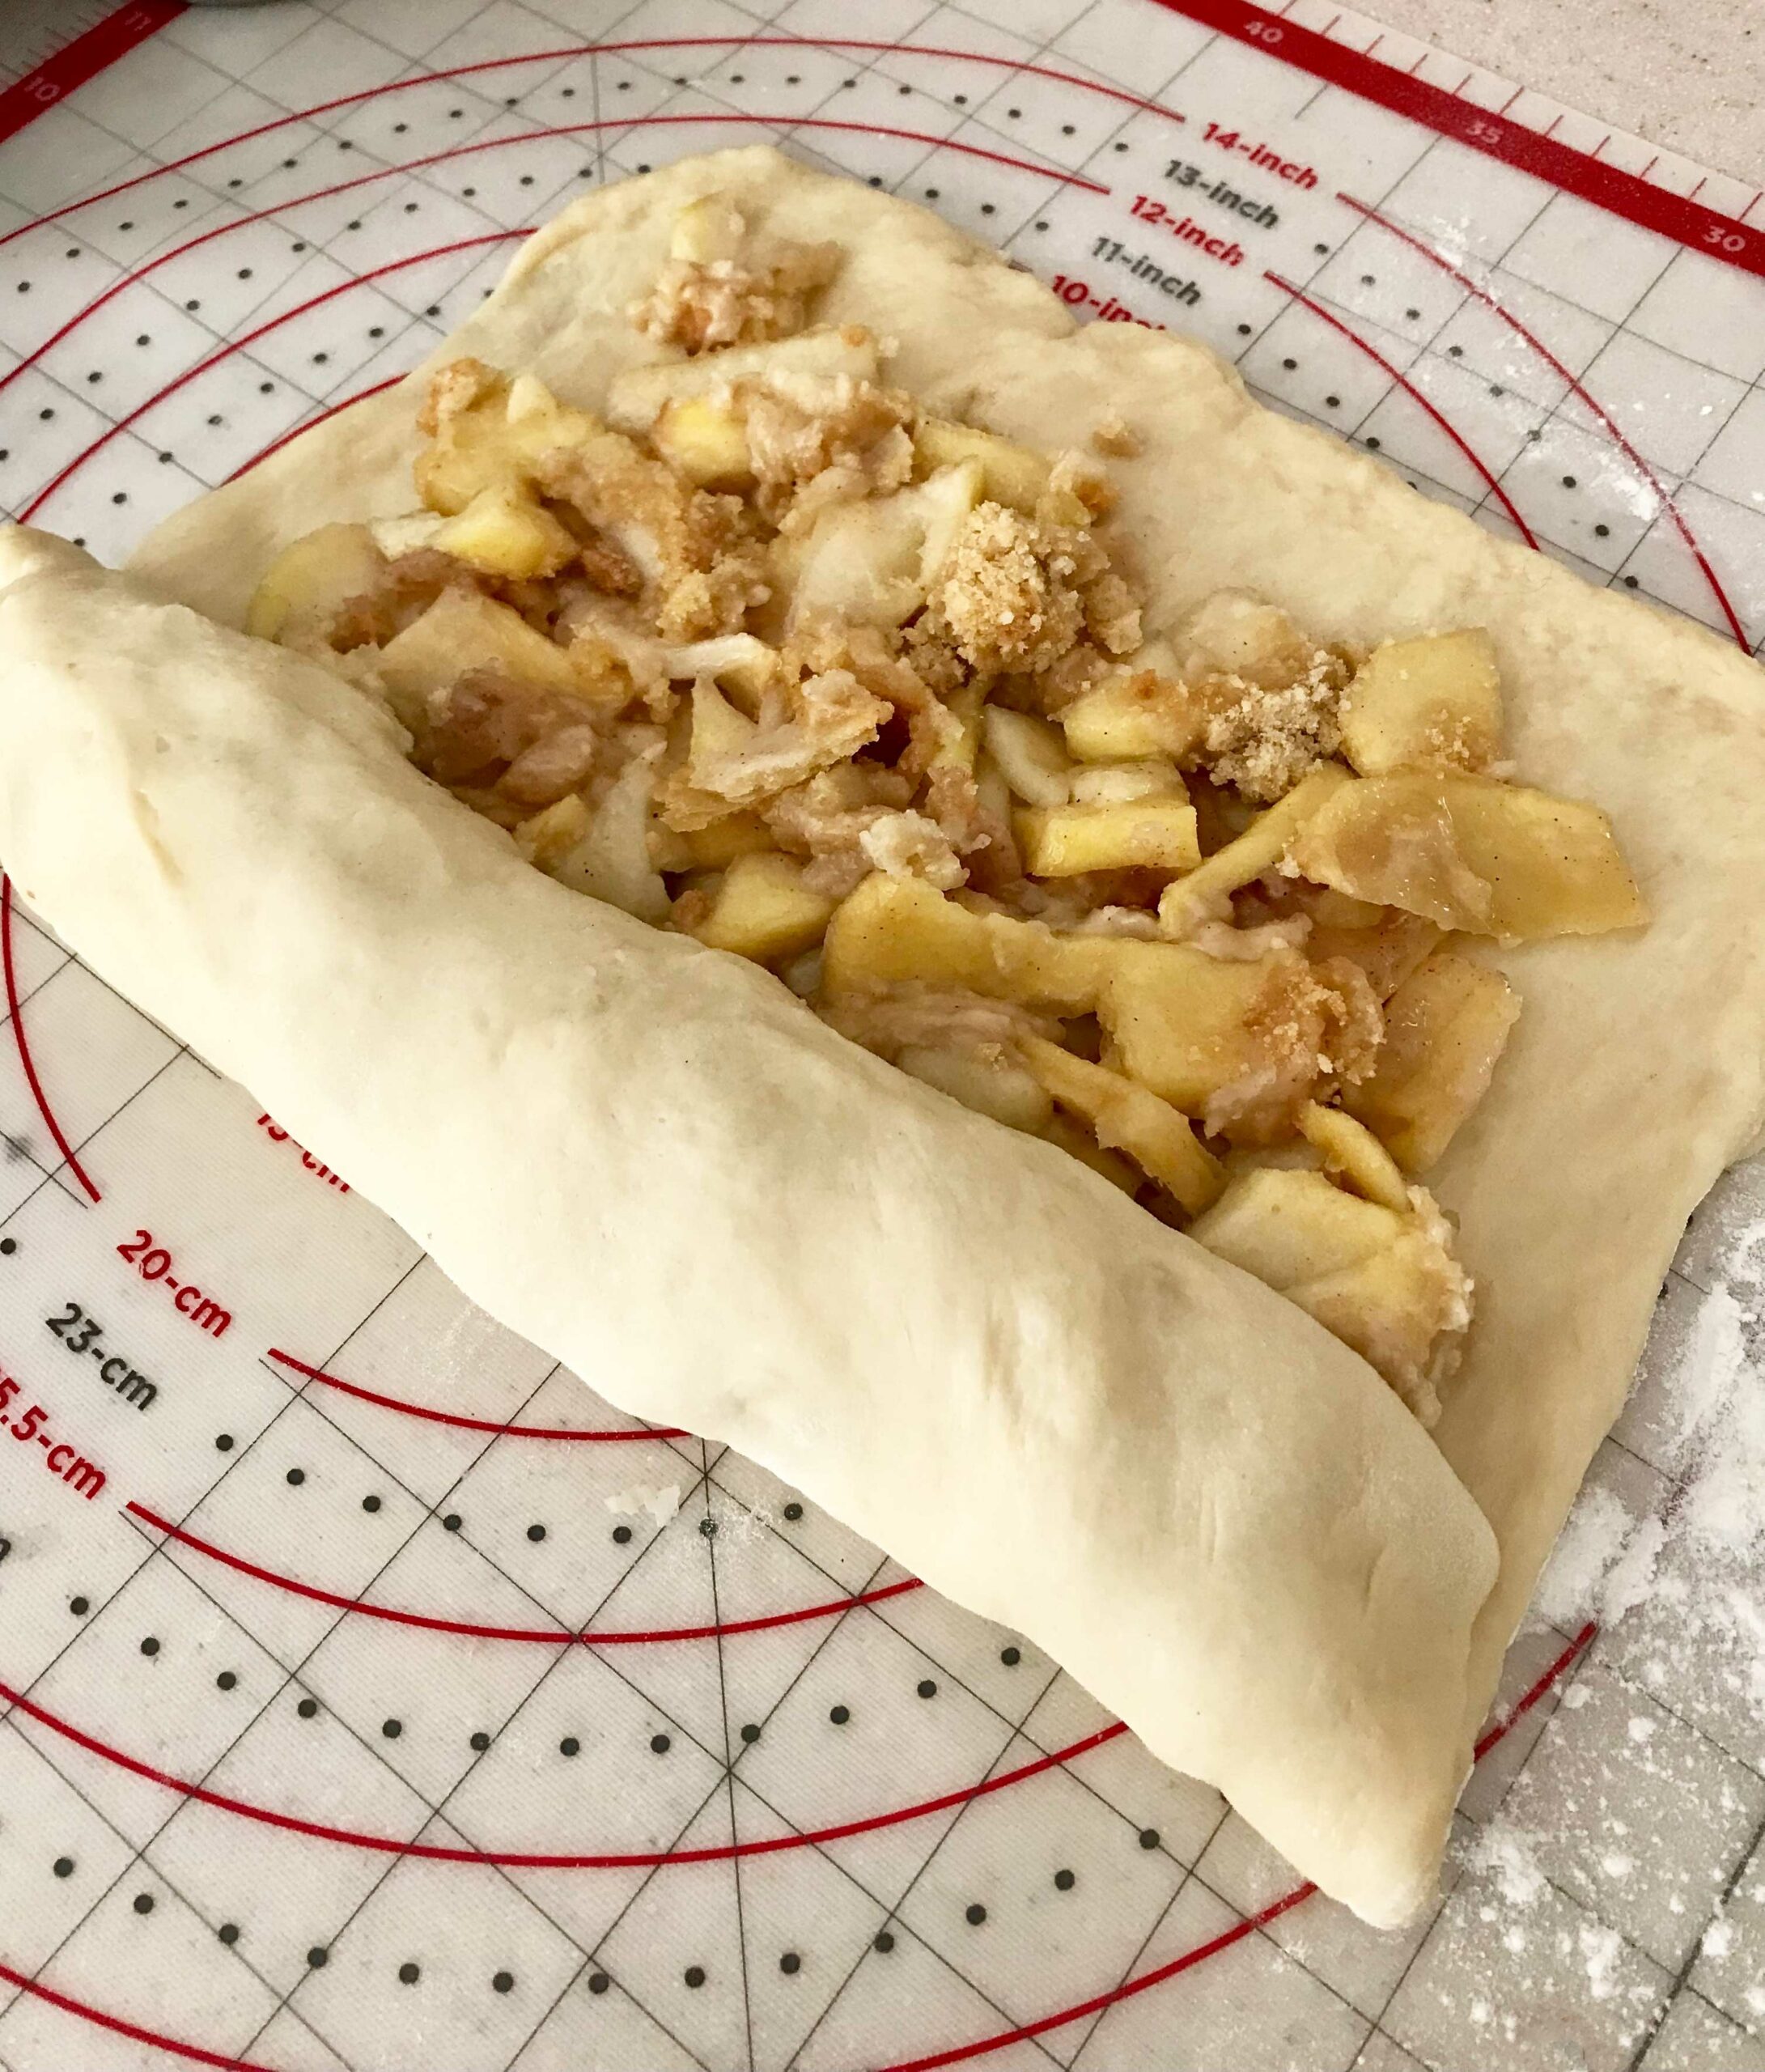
1627 195
83 59
1620 194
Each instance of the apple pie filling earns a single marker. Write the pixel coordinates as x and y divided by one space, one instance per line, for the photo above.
762 652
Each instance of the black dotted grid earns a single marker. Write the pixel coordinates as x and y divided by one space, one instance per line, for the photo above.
502 1982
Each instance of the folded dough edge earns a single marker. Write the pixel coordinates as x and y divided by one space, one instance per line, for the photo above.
653 1160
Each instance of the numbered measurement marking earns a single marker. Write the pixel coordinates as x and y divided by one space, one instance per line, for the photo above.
1252 207
1293 171
30 1427
1226 250
1082 296
153 1263
277 1135
80 1333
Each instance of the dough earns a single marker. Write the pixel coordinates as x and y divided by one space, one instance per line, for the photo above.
1060 1412
652 1159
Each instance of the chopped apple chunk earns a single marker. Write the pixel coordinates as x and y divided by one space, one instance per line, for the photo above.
1352 1154
1080 1143
405 534
892 929
761 910
1435 700
1140 711
1203 895
991 1085
872 563
549 836
504 533
1470 853
1553 864
960 747
707 230
706 440
638 397
311 578
1388 949
1383 1281
1030 755
490 433
1404 1310
1187 1025
462 630
1009 474
1287 1226
1159 1138
716 847
737 663
612 861
1133 833
1391 839
1114 784
1446 1027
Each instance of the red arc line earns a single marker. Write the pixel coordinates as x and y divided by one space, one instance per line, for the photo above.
237 345
1416 395
531 1860
1627 195
15 1014
138 273
603 50
193 2054
1663 494
470 1423
545 1636
1530 1697
983 2046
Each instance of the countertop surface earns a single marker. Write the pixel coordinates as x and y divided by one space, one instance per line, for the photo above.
1687 74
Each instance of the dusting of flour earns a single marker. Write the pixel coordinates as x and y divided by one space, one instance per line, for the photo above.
1637 1818
1702 1557
658 1501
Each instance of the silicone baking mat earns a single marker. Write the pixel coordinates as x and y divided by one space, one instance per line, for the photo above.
376 1695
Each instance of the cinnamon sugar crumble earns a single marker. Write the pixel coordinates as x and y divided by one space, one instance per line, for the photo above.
1262 741
1009 597
701 305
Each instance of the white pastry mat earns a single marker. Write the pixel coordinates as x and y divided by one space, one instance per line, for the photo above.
294 1701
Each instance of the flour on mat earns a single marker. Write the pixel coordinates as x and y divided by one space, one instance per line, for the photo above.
1602 1947
1678 1592
1702 1560
1504 1851
1588 1549
658 1501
